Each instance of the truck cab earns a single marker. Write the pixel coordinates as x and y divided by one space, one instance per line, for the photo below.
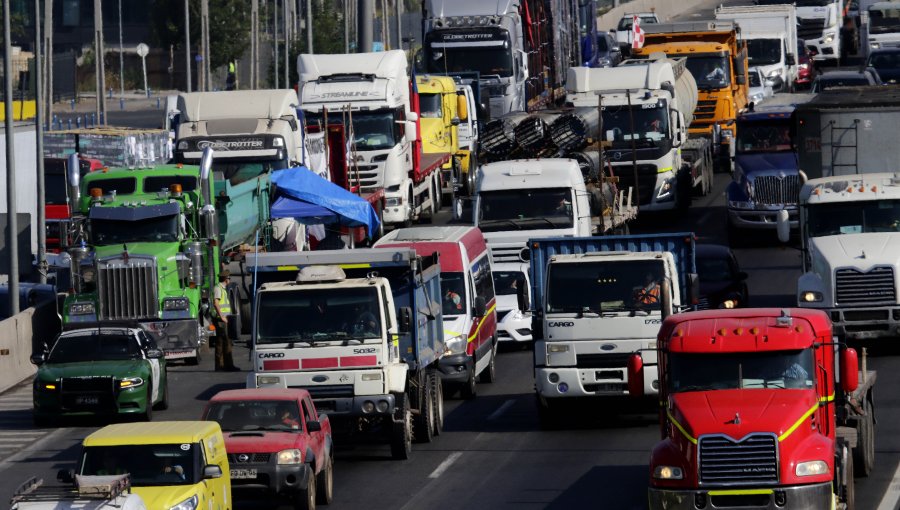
771 35
881 26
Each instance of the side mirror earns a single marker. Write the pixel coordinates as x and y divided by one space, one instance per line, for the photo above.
635 376
783 226
454 121
412 117
39 358
211 471
462 107
405 320
790 60
411 131
65 476
849 370
313 426
480 306
155 353
522 294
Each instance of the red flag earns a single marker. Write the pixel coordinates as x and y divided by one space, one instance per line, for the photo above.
528 25
637 35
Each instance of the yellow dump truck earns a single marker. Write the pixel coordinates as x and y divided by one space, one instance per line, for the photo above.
717 58
441 110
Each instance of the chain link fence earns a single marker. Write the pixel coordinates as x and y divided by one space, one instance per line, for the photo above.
23 76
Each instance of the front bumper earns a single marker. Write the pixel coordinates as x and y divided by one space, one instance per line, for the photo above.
514 326
355 406
49 404
456 368
762 217
178 338
284 479
395 214
801 497
569 382
864 323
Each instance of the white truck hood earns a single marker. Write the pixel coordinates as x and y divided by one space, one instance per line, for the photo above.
860 251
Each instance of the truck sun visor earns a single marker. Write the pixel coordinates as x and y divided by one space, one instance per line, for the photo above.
134 213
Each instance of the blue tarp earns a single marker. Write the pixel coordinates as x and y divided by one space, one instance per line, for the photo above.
312 200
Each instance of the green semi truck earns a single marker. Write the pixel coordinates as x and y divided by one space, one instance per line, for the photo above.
147 246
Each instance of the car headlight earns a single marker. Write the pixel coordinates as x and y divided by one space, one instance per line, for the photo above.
130 382
179 303
455 345
874 45
811 468
188 504
668 473
292 456
828 39
811 296
393 202
82 308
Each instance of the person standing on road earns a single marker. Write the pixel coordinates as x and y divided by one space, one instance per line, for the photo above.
224 360
231 79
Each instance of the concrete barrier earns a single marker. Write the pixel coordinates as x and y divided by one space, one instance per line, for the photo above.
665 9
22 334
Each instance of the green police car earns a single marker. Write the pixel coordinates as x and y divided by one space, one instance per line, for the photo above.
108 371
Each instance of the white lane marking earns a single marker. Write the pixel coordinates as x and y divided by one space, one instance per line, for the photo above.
443 466
892 495
500 410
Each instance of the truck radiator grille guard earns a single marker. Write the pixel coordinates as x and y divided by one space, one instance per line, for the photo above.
329 391
726 461
705 110
776 190
248 458
127 289
646 180
368 177
853 287
810 28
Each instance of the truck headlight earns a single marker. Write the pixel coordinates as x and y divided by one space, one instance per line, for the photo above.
179 303
811 468
811 296
188 504
776 73
668 473
267 380
828 39
557 347
292 456
455 345
393 202
130 382
82 308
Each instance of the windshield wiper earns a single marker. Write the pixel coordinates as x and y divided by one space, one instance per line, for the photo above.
507 221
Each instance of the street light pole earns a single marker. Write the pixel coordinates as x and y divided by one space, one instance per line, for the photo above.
39 146
121 55
12 227
254 43
187 42
100 53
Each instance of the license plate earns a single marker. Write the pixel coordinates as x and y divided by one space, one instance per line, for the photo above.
243 473
87 400
609 387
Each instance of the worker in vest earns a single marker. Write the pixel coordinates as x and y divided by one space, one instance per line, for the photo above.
231 79
648 294
222 308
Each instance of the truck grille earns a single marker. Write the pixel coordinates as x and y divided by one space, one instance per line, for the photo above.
810 28
248 458
127 288
602 360
506 252
753 459
330 391
368 176
705 110
853 287
646 180
776 190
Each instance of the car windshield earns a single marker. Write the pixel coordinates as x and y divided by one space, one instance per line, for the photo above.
453 288
319 317
714 269
883 21
525 209
761 52
710 72
650 121
771 136
506 283
148 464
372 130
162 229
94 347
599 287
430 106
853 217
885 59
625 22
730 371
241 415
490 58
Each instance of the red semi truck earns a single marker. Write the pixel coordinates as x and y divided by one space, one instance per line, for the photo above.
756 413
56 197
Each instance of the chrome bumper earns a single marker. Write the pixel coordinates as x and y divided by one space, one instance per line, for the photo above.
801 497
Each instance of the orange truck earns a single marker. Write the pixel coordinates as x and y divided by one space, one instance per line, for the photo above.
717 57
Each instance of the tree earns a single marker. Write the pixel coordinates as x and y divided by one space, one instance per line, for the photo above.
328 38
229 27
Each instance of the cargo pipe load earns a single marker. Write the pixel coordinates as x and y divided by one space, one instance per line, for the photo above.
574 130
533 134
499 139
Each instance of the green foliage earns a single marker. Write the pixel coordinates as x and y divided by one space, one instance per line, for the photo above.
229 27
328 37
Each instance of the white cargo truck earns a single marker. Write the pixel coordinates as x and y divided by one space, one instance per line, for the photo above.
771 35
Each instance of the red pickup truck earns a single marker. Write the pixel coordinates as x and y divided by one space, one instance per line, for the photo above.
276 443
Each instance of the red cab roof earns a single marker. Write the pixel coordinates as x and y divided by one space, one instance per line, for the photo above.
448 241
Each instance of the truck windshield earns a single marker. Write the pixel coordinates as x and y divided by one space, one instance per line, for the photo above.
454 288
761 52
651 124
76 349
710 71
730 371
55 189
430 106
490 58
238 415
162 229
853 217
319 317
883 21
148 464
604 286
771 136
506 283
372 130
525 209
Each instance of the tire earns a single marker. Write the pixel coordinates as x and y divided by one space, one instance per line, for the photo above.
325 482
306 500
490 373
438 400
423 423
850 488
439 194
164 403
401 432
246 317
147 415
469 184
864 453
469 389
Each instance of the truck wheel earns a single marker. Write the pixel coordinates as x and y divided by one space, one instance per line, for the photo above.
470 175
306 500
409 210
423 422
469 390
164 403
864 453
325 482
850 488
245 316
438 389
439 194
490 373
401 431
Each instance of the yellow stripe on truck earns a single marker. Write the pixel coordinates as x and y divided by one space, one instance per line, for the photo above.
742 492
796 424
474 335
